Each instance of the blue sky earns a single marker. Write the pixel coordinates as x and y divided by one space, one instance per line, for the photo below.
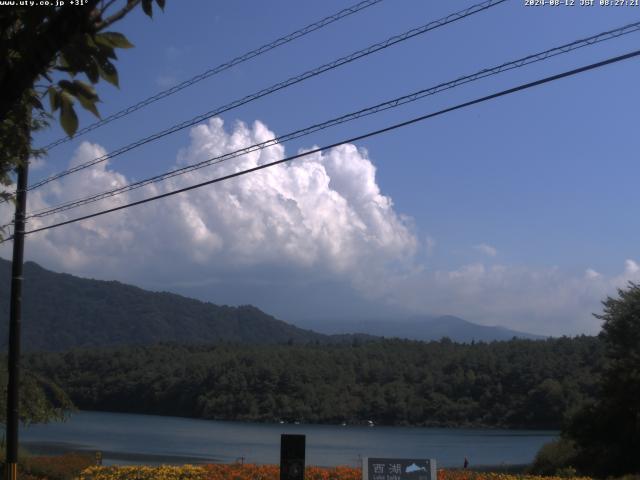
520 211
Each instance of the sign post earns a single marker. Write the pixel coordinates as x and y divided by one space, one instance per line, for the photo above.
292 456
398 469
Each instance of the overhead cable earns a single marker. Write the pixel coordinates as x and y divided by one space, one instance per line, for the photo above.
487 72
279 86
218 69
396 126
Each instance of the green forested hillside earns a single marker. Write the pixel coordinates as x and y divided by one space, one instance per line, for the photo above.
519 383
62 311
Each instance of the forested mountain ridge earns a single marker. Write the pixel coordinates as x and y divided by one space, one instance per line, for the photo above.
61 311
423 327
519 383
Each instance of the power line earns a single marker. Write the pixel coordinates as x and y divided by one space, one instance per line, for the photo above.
502 93
533 58
219 69
281 85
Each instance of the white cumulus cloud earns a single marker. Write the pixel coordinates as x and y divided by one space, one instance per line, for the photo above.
486 249
324 212
591 274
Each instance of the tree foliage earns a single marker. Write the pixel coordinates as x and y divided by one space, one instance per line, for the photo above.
607 431
554 457
393 382
41 400
44 49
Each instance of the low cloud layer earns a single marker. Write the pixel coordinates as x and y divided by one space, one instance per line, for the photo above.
305 226
544 301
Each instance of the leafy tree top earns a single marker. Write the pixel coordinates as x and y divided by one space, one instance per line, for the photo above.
70 43
621 327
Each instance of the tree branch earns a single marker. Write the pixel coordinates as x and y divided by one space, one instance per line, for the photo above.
104 8
116 16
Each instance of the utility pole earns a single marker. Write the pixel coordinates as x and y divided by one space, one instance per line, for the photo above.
15 318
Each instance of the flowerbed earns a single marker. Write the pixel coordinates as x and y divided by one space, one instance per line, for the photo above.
214 472
272 472
164 472
471 475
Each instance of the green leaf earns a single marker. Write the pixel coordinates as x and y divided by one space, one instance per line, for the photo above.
87 96
54 98
109 73
85 90
67 86
104 52
92 71
62 62
79 89
88 104
68 117
66 99
147 7
113 40
88 40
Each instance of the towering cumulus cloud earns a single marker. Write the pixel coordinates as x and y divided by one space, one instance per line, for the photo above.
322 212
323 209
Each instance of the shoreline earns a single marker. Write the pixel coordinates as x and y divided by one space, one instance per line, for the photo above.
434 426
111 457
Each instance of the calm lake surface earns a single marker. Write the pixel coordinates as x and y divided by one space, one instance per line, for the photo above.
150 439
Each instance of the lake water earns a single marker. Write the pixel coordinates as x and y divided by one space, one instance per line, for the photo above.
150 439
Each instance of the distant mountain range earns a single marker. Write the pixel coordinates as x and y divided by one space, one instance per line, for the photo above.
423 328
61 311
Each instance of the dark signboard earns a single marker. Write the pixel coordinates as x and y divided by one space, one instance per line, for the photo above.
398 469
292 453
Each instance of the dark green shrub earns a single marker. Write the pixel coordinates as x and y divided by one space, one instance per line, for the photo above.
59 467
555 458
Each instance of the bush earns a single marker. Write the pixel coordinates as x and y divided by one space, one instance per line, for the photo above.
59 467
555 458
567 472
